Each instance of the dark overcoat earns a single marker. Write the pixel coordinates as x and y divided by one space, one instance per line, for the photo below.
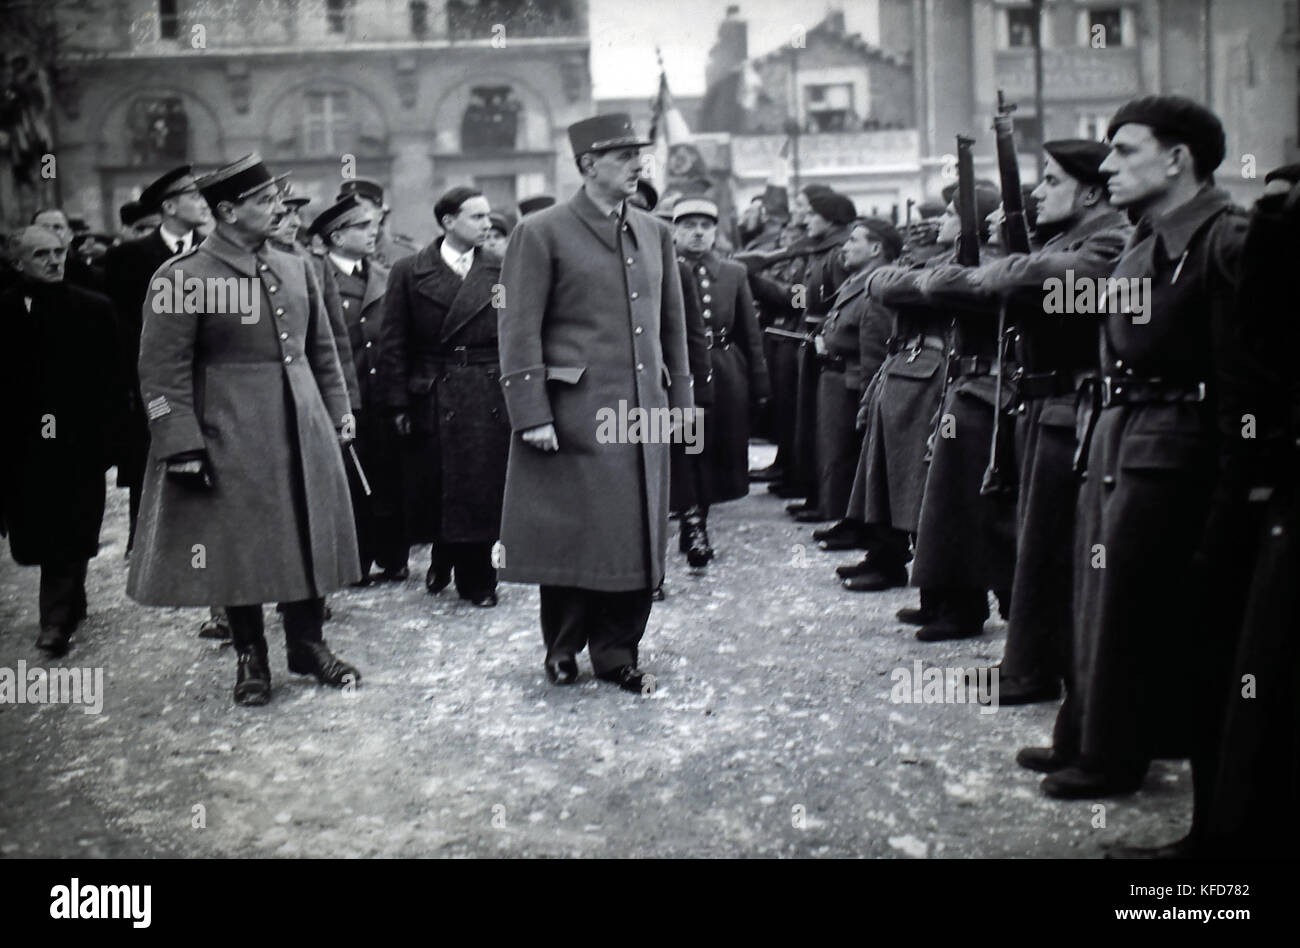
902 402
1055 352
265 398
592 328
739 372
63 401
439 363
1140 646
128 267
338 325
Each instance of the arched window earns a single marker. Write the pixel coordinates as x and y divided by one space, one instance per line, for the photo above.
491 120
159 130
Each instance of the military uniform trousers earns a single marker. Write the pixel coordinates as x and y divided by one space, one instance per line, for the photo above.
63 593
381 537
805 424
608 624
783 367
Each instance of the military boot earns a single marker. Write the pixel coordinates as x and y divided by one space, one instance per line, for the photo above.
695 537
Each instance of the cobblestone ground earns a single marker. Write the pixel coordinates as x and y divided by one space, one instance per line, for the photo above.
771 731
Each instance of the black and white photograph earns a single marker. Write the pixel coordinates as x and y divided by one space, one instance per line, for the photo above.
576 430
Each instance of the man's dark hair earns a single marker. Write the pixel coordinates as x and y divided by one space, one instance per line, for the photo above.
46 210
453 201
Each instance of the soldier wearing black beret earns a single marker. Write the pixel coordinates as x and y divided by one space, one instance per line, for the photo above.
1151 657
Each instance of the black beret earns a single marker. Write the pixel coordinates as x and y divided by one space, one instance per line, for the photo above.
1288 173
1080 158
987 197
882 231
1178 118
648 192
833 206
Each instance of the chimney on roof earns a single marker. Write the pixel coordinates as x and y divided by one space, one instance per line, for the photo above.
834 22
731 49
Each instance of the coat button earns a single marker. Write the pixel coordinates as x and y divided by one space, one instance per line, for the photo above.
708 313
704 283
279 311
288 359
638 330
346 303
373 371
527 376
284 335
1119 363
363 319
640 366
629 261
1108 480
369 344
261 266
706 297
271 289
634 294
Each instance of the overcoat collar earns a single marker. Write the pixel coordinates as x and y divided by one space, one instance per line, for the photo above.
244 261
854 285
474 295
1176 229
711 262
600 224
1111 220
433 278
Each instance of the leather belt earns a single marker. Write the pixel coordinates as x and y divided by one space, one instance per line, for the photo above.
1136 391
464 355
926 341
1033 385
719 339
974 365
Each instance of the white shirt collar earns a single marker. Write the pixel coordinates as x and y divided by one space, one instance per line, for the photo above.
343 263
170 238
460 262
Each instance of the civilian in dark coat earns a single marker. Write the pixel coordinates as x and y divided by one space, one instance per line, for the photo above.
593 326
128 268
63 400
350 229
439 379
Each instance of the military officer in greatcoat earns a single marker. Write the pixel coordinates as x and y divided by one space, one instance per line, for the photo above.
389 247
738 370
245 498
592 329
439 380
350 231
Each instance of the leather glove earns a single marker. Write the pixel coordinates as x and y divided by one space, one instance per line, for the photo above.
191 469
402 423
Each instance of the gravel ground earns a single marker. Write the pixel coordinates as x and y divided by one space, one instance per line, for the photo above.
770 731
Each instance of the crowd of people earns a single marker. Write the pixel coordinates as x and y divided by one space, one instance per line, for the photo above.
1120 476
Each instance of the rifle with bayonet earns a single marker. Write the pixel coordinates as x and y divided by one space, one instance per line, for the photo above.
1000 475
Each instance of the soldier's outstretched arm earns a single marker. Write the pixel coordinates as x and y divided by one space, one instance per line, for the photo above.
1095 257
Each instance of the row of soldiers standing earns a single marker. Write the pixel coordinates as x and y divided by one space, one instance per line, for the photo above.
1120 474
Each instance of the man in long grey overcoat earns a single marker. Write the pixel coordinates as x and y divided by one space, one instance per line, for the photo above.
592 329
245 497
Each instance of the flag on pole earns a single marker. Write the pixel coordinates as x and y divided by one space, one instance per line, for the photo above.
677 162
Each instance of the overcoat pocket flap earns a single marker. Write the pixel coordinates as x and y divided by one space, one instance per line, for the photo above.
569 375
1058 416
1163 453
922 367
